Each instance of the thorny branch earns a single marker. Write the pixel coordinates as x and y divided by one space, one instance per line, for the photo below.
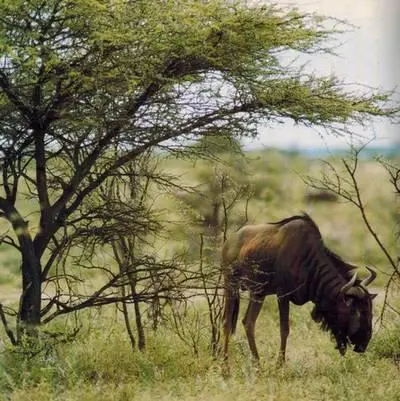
346 185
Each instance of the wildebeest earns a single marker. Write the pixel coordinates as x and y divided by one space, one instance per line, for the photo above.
288 258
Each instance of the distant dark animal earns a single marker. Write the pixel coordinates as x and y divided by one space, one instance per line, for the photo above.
314 195
288 258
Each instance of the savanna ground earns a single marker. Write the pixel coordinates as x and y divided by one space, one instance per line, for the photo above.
98 364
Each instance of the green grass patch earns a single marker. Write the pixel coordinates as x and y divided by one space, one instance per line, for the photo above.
100 365
387 343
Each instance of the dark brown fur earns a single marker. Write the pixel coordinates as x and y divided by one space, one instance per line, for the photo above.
288 258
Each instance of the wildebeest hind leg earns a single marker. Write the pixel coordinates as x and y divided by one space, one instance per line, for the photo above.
283 304
249 321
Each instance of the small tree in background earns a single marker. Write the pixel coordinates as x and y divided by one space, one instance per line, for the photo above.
218 203
221 182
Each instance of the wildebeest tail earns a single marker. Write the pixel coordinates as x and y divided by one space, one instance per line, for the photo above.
231 311
235 313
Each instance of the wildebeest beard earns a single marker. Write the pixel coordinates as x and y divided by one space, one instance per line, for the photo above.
328 320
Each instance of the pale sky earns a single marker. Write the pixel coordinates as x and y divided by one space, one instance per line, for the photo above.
370 55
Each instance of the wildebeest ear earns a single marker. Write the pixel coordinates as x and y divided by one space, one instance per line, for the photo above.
373 296
357 292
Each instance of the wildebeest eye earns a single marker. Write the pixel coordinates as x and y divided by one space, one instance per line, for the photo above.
349 301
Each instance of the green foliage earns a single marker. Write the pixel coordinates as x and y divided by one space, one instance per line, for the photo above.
272 173
218 146
216 199
387 343
130 53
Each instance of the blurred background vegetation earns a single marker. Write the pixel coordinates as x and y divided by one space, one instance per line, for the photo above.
85 354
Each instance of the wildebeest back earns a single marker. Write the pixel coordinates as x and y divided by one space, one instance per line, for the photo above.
268 258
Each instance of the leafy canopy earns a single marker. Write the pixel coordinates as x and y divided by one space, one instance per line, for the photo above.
88 85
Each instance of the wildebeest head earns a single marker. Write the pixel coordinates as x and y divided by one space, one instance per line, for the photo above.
359 301
350 319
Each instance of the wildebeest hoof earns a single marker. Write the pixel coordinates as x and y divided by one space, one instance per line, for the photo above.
280 362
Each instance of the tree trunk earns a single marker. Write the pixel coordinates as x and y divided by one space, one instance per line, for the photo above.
30 300
127 321
138 316
28 317
124 252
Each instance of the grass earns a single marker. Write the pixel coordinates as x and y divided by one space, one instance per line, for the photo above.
100 365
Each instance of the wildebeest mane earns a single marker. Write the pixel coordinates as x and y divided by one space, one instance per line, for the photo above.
344 268
321 313
328 323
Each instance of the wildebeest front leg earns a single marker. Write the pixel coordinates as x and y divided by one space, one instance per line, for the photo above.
283 304
249 321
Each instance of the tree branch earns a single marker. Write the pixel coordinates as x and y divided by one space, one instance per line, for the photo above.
9 332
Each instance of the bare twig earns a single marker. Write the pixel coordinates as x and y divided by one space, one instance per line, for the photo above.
9 332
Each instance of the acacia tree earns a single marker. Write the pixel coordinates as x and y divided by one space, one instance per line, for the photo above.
80 77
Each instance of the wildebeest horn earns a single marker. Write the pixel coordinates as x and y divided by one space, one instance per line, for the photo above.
370 278
350 284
